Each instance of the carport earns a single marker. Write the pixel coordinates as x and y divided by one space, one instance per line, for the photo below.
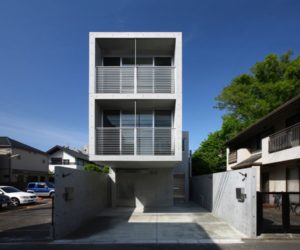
183 223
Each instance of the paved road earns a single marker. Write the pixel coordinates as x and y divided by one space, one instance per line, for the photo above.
263 245
26 223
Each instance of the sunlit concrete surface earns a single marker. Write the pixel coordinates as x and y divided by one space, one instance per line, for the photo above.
186 223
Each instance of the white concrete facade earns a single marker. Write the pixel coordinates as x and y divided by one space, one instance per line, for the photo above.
136 76
176 97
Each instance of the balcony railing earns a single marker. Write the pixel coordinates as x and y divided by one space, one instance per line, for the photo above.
135 79
286 138
135 141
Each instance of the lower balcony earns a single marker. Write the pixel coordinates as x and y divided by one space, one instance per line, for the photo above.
135 141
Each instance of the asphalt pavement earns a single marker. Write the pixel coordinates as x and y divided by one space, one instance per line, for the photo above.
26 222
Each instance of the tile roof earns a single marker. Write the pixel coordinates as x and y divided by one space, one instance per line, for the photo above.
251 161
6 142
69 151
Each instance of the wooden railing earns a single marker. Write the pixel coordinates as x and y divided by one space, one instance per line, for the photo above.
286 138
232 157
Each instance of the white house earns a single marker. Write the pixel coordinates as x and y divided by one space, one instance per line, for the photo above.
272 147
66 157
135 113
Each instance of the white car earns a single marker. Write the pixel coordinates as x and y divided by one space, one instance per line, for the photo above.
17 196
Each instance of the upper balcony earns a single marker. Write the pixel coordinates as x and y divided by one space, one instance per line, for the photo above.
131 79
284 139
135 66
283 145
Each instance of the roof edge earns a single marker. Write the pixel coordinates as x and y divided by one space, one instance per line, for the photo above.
296 98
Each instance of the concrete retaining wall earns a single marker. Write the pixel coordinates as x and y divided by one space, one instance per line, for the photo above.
79 196
217 193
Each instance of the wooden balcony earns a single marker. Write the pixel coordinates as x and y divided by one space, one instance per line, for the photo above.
286 138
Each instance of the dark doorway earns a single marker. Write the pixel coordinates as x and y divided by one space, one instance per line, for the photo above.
265 185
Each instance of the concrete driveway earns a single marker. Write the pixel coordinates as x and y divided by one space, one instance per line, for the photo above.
185 223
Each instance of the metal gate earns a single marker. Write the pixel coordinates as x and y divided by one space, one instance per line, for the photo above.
278 212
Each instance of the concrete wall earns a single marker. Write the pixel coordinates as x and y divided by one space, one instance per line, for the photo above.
79 196
217 193
144 188
184 166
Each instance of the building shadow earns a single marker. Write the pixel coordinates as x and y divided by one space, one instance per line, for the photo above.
39 232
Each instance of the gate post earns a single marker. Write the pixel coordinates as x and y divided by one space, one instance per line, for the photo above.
259 213
285 211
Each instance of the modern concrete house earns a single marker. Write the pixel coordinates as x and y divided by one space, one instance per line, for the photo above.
65 157
21 163
272 147
135 113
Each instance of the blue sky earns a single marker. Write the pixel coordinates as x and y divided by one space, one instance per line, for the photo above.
44 57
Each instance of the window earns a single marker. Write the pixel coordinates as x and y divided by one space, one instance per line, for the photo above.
128 61
66 162
111 61
31 185
127 119
43 161
163 118
56 160
163 61
183 144
141 61
232 157
144 119
111 118
41 185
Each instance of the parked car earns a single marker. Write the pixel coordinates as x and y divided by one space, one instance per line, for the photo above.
45 189
17 196
4 201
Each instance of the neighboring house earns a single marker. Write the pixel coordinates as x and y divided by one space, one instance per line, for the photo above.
21 163
65 157
135 113
182 172
272 146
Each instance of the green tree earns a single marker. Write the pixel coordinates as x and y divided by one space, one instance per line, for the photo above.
270 83
210 156
246 99
105 169
93 167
